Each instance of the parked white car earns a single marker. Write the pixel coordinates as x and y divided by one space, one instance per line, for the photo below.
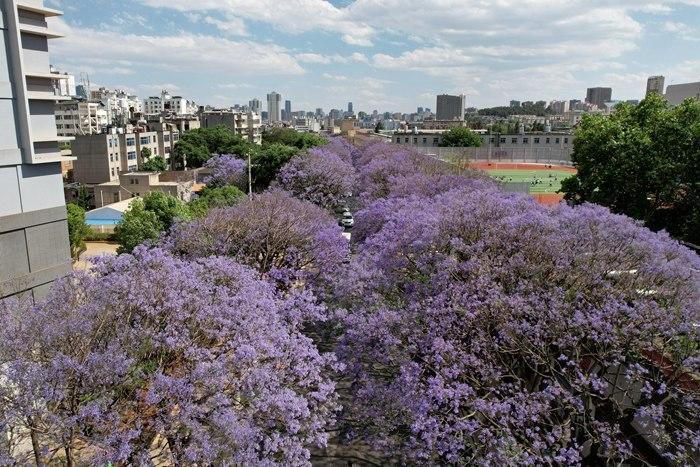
347 220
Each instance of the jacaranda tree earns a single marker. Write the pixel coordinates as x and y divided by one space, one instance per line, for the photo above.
320 176
154 359
483 328
226 170
282 237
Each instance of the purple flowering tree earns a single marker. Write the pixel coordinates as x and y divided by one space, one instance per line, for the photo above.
321 176
483 328
204 365
281 236
226 169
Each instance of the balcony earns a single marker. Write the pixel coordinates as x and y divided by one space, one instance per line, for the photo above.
46 96
39 31
42 10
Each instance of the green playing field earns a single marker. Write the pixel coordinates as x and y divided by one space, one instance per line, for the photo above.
542 181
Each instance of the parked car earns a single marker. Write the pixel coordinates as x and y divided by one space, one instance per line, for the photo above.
347 220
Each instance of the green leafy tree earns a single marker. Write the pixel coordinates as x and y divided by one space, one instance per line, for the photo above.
137 225
291 137
210 198
642 161
461 137
146 154
78 230
267 161
379 127
155 164
196 146
83 198
167 208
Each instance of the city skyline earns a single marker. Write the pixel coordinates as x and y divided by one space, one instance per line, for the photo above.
379 56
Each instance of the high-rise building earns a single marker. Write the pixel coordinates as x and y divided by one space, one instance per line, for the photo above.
655 84
598 96
515 103
677 93
254 105
319 112
287 110
559 107
34 247
450 107
274 101
350 110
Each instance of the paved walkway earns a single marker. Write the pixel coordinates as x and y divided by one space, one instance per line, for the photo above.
94 249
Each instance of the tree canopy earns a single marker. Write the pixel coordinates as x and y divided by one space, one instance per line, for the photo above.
291 137
642 161
197 146
154 164
78 230
461 137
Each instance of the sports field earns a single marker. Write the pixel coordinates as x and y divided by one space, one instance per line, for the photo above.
541 181
545 179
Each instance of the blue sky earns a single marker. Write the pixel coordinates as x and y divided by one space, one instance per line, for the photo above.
381 54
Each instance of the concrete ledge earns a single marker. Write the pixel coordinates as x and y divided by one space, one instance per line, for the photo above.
32 218
34 279
10 156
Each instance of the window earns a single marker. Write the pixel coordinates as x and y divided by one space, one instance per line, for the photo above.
131 141
166 138
415 140
131 181
167 149
547 141
514 140
537 141
116 197
436 141
176 137
131 155
566 140
111 158
112 171
556 140
503 140
406 140
110 142
493 140
145 140
425 140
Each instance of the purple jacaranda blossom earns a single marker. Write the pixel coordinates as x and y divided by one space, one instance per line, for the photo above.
482 328
320 176
226 169
284 238
155 359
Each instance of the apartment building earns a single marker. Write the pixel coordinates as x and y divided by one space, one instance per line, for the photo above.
101 158
76 117
246 124
119 105
34 248
168 104
132 184
450 107
677 93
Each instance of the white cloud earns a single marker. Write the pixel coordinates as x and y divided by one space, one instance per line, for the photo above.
178 52
311 57
159 87
292 16
682 30
335 77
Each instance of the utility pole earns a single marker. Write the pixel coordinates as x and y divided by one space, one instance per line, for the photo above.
250 178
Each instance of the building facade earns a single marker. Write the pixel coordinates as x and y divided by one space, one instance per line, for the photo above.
287 111
245 124
34 248
598 96
80 118
274 101
101 158
134 184
450 107
655 85
167 104
677 93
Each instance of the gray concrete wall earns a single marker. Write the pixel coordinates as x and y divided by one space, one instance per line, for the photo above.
33 230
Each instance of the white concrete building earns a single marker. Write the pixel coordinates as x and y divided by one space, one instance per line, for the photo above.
559 107
119 105
168 104
80 118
